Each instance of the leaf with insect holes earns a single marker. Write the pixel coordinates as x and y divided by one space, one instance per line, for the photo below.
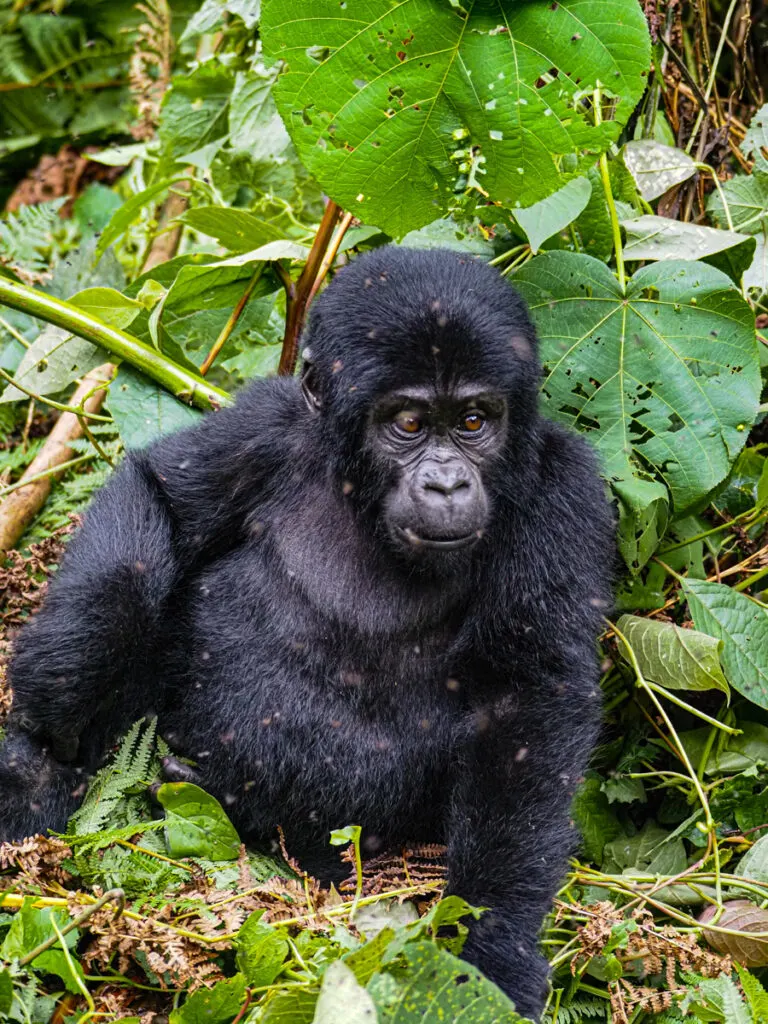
382 98
664 381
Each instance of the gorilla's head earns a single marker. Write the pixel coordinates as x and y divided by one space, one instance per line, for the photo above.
422 368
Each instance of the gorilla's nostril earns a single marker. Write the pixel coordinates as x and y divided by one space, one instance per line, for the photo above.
446 487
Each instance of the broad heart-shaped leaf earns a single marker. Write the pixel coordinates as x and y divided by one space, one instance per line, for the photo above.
742 625
665 380
196 825
380 95
680 659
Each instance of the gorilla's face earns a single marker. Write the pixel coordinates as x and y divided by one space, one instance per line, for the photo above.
436 447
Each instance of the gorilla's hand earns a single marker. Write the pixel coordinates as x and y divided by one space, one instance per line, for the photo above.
37 792
175 770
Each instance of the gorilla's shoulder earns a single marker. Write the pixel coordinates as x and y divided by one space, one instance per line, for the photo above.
567 458
264 412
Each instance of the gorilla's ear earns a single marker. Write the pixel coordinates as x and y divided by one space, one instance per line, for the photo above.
309 383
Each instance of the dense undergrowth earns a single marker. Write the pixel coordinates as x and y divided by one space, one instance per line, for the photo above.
165 167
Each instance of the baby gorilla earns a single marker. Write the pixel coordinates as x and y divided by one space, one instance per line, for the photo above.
368 596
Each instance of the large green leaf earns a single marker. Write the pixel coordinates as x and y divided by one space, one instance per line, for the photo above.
659 238
550 215
379 95
217 1005
747 199
680 659
237 230
195 823
143 410
742 625
664 380
657 168
342 998
428 985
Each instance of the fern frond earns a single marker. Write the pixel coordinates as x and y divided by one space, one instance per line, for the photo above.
26 236
581 1010
14 65
94 841
129 770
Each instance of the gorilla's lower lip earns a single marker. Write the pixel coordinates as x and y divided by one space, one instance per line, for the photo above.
416 540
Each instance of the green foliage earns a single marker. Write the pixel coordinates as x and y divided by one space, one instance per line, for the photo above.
195 823
478 125
26 237
642 376
114 785
680 659
742 625
405 97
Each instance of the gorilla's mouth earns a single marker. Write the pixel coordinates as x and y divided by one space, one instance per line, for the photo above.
418 541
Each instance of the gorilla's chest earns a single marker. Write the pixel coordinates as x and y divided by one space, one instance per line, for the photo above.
257 639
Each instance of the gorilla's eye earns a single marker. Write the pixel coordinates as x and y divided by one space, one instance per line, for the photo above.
408 423
472 422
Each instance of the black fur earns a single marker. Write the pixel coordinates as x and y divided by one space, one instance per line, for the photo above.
234 579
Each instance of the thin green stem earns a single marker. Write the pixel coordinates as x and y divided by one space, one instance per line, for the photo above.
712 73
53 471
606 180
76 410
683 755
715 529
726 208
79 983
759 575
13 332
691 709
229 326
186 386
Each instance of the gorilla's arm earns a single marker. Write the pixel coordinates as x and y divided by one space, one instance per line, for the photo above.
510 833
83 668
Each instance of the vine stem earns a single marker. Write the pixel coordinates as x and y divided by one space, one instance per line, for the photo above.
298 295
186 386
229 326
606 180
330 255
45 473
712 75
709 820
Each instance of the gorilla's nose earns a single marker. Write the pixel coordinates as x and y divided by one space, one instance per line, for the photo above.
445 479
